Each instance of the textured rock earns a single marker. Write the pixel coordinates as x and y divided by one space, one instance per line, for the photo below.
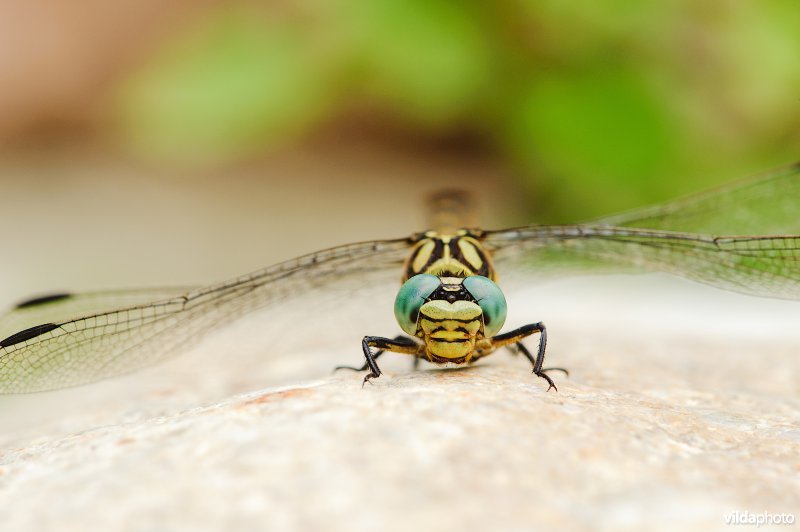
669 421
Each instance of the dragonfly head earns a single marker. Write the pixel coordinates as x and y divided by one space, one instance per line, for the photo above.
450 313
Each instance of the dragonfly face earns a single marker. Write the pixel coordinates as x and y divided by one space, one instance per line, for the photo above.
452 315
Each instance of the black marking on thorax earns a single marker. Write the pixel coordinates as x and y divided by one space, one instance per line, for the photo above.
445 256
27 334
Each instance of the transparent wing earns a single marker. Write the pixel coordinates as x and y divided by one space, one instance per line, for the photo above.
757 265
66 352
762 205
56 308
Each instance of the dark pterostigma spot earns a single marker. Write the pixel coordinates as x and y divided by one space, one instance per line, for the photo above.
42 300
27 334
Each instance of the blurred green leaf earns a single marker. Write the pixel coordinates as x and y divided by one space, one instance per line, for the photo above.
597 106
225 89
429 60
602 131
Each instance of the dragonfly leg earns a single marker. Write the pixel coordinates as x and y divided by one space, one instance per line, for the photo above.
519 347
398 338
514 338
401 344
524 350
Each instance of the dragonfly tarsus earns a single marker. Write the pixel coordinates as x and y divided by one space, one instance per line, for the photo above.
519 347
514 338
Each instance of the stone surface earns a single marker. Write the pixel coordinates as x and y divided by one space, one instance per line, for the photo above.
676 414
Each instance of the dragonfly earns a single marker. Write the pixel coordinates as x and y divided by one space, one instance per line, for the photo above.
743 237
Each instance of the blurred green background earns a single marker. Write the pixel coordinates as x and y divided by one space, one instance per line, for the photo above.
584 108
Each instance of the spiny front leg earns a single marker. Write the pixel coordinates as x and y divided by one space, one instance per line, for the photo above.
514 337
401 344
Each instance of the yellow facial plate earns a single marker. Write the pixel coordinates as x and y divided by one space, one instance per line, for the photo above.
450 330
444 310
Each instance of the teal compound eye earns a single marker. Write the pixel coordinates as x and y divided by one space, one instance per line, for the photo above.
490 298
411 297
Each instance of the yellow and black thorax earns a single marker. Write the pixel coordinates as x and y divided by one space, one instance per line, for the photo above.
449 255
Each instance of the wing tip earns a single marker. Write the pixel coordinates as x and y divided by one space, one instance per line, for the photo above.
28 334
41 300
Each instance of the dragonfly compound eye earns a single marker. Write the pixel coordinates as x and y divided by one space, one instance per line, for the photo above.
490 298
411 297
